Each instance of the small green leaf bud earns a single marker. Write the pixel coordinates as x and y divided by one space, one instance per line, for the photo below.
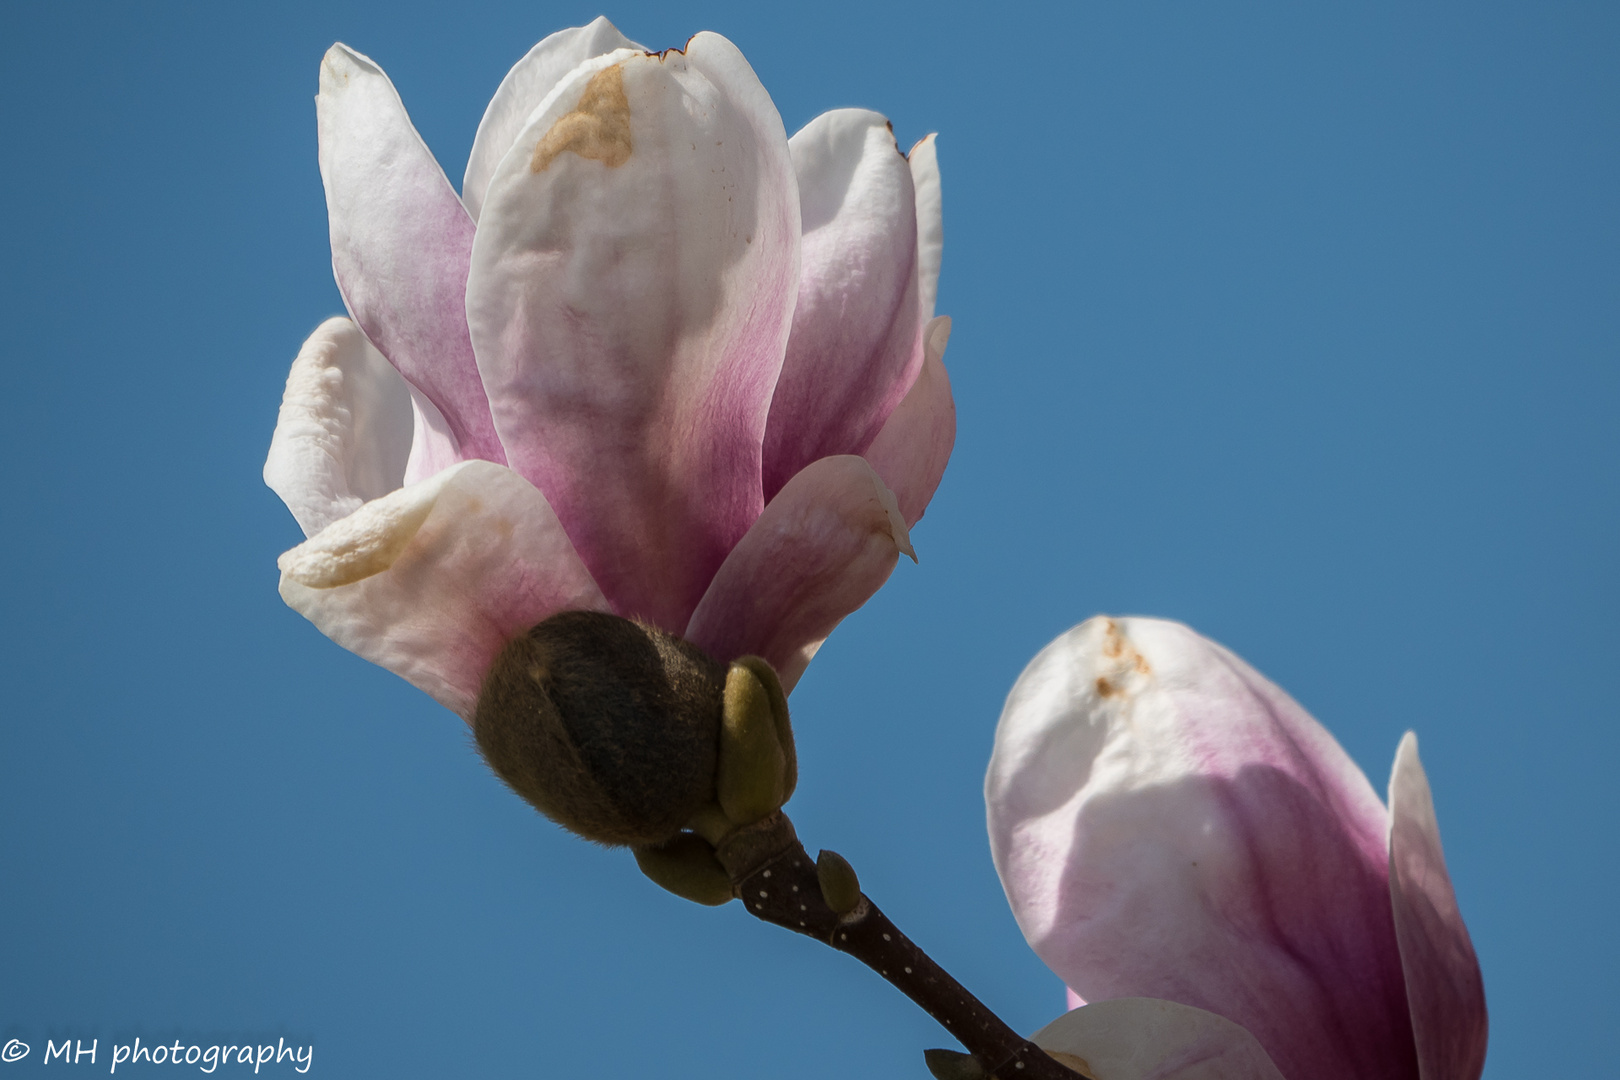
686 866
608 727
752 780
952 1065
839 885
779 713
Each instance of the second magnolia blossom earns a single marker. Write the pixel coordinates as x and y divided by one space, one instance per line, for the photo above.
656 359
1193 853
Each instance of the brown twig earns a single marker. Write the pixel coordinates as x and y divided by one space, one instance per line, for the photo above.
777 881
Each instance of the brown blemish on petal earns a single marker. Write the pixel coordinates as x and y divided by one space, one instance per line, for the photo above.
597 129
1112 643
1121 662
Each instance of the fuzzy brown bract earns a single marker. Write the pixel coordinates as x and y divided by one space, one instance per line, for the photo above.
607 726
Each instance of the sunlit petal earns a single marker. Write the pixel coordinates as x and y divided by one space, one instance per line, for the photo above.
522 91
344 431
856 344
632 283
1167 823
400 243
432 580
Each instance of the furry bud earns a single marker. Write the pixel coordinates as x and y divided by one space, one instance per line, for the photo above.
608 727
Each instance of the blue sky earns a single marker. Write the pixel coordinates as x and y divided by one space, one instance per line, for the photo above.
1293 323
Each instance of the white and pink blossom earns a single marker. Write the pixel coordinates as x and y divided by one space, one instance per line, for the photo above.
656 358
1179 838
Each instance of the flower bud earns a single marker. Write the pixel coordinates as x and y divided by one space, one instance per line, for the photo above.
840 888
608 727
754 764
687 867
953 1065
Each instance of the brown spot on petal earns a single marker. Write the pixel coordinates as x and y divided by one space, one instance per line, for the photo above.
1112 644
598 128
1106 688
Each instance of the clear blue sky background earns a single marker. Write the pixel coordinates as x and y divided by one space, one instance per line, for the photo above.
1294 322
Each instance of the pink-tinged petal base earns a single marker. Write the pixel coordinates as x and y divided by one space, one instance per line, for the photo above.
400 243
344 431
1141 1038
823 546
631 290
1443 982
1167 823
433 444
911 451
431 581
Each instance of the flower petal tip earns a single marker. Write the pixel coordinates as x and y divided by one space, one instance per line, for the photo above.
365 543
897 520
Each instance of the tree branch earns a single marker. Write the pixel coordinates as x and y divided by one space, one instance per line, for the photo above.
777 882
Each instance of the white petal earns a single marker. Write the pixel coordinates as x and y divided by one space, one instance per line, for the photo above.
856 344
522 91
432 580
400 243
1168 823
632 285
1151 1039
930 221
344 429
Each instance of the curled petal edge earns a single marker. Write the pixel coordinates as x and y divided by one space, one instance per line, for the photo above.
343 434
432 580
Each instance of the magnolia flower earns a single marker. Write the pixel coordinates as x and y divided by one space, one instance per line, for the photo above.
657 359
1175 832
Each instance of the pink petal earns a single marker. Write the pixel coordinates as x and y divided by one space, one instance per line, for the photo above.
400 243
522 91
826 543
433 445
430 581
631 288
1138 1038
924 161
1443 982
911 451
856 343
1169 824
344 429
